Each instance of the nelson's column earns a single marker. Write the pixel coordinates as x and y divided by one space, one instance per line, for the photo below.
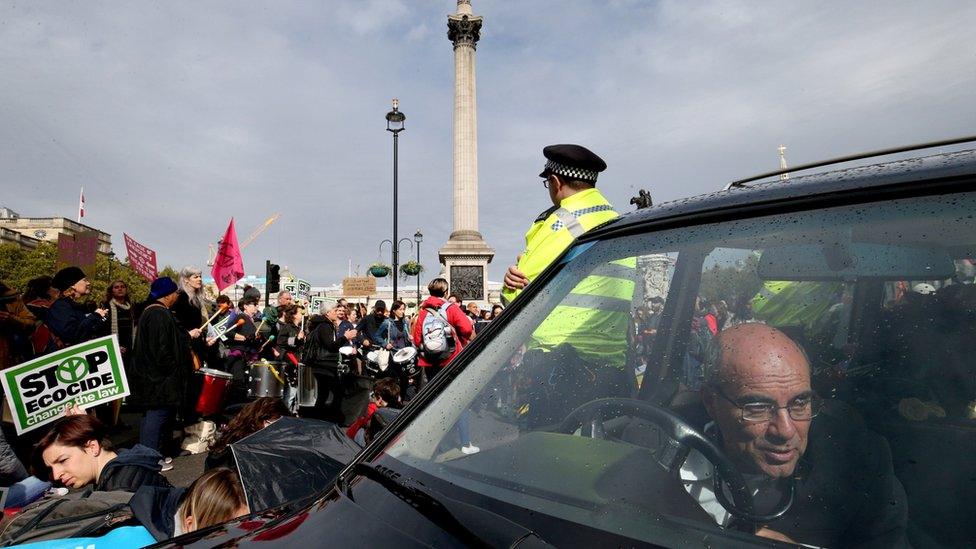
466 255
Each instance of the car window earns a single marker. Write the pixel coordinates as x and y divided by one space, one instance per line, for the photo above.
826 354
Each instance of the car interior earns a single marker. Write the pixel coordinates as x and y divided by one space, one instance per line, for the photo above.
881 297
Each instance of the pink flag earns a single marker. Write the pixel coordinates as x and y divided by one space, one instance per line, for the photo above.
141 259
228 265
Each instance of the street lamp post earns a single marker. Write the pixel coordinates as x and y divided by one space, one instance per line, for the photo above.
394 253
394 124
418 237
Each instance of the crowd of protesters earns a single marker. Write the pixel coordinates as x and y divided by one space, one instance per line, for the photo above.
352 352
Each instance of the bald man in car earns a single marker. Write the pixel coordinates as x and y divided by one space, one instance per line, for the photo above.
770 423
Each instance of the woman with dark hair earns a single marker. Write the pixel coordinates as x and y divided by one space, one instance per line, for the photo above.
120 319
291 336
76 453
252 418
39 296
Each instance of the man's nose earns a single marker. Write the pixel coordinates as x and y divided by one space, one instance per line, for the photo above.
781 425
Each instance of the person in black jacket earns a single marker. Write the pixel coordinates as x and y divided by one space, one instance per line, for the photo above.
766 417
322 355
161 363
77 454
70 321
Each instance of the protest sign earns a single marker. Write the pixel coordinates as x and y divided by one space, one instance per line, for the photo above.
86 374
79 250
141 258
358 286
317 301
304 290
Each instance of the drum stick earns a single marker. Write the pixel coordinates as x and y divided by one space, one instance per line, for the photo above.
259 326
291 358
270 339
222 308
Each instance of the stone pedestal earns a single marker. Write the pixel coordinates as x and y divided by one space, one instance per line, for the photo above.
466 255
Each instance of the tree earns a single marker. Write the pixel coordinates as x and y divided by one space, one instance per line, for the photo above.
732 281
19 265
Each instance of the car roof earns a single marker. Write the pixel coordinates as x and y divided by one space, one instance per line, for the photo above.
938 167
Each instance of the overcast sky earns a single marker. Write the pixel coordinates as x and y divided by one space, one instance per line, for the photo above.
175 116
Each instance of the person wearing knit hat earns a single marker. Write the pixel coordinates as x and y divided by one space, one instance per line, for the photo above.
161 363
70 321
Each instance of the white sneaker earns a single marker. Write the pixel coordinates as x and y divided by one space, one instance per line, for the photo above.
470 449
166 464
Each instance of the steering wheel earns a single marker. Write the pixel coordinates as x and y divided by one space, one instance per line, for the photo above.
681 438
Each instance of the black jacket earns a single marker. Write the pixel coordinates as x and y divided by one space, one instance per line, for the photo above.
322 351
161 364
155 508
72 322
133 468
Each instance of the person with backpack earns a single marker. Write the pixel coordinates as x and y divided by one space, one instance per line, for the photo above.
441 330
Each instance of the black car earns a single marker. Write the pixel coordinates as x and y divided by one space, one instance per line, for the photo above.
597 399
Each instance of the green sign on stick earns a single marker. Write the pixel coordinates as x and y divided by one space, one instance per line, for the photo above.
86 374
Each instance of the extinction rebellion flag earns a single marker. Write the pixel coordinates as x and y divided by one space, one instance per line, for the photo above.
228 266
86 374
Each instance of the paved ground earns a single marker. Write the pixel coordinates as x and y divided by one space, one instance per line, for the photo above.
185 468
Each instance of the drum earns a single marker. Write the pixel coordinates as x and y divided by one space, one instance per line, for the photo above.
215 384
308 388
406 359
372 362
265 379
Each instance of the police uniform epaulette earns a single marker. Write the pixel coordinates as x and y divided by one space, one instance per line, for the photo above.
545 214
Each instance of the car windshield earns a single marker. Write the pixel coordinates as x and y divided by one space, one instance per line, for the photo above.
827 355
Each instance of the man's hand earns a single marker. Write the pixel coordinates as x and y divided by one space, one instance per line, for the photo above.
366 343
195 333
515 279
350 334
101 312
773 534
211 341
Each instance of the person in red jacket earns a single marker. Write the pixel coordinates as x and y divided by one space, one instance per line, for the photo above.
459 321
462 329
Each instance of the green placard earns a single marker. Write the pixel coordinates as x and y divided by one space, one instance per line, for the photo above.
86 374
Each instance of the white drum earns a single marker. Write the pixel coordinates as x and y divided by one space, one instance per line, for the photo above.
405 354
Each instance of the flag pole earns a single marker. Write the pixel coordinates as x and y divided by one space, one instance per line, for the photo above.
81 204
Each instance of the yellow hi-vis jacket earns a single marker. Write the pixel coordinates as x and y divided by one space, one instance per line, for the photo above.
595 316
556 228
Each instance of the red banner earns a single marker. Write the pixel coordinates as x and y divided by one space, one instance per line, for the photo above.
228 266
141 259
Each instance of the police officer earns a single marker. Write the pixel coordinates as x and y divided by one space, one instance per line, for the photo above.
570 177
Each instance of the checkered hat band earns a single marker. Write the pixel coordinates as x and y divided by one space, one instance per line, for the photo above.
571 172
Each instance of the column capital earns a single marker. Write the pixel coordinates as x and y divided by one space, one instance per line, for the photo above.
464 30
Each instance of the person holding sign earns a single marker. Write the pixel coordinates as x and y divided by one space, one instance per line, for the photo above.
161 364
68 319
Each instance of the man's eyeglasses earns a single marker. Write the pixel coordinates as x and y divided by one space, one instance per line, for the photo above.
545 182
803 408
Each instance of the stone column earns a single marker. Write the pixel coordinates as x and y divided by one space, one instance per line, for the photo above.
466 255
464 30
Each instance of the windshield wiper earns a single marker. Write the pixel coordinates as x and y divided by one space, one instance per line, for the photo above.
424 500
